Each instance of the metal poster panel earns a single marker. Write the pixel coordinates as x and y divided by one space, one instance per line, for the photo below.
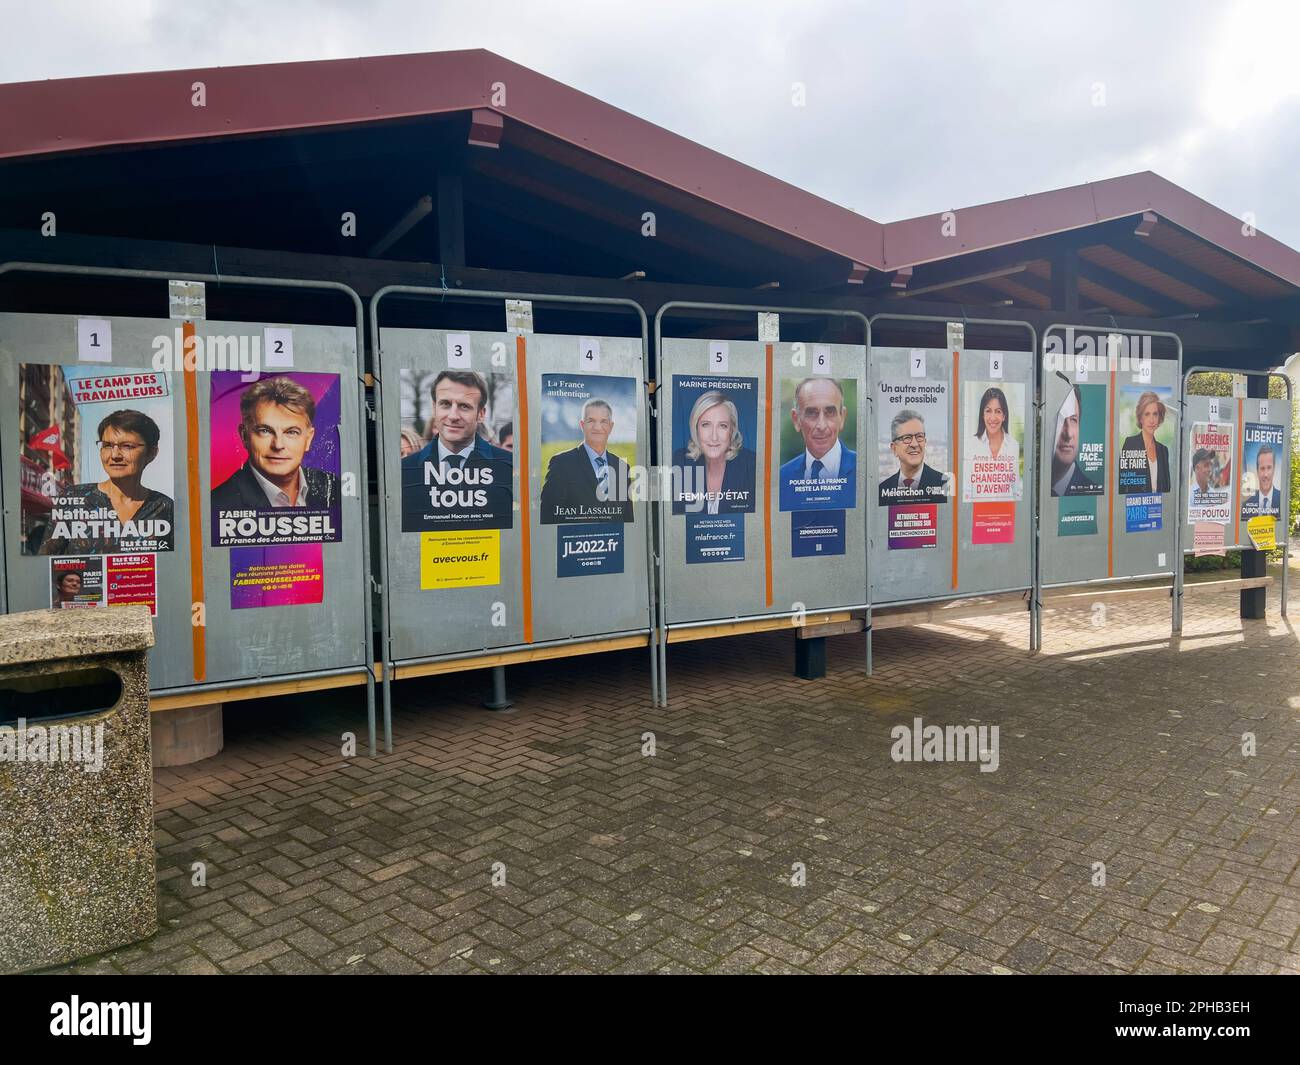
589 487
766 507
1237 469
1110 479
952 465
458 578
111 440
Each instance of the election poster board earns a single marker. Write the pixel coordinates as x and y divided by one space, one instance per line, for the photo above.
954 462
1110 482
769 488
110 436
96 451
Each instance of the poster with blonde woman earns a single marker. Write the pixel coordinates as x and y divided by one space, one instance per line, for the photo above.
993 421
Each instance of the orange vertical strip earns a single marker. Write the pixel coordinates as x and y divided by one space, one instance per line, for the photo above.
525 504
198 632
767 479
1110 486
1235 471
956 464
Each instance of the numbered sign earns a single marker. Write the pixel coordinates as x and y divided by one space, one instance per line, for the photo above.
1263 409
94 340
719 356
589 353
821 361
995 365
458 351
277 348
916 362
1080 367
1214 409
1143 375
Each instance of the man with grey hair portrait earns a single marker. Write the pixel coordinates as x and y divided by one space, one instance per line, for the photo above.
913 481
584 483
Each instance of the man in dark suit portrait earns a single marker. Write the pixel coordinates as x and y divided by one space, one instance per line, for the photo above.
1067 478
914 481
471 478
582 483
276 427
1266 501
825 474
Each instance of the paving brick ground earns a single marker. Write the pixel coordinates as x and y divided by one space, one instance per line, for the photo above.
1116 746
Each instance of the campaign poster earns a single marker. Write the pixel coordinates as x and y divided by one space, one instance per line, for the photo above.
280 575
912 419
1077 516
816 532
1146 418
96 460
457 445
1209 490
589 550
104 581
1208 538
275 458
77 581
913 526
588 438
715 430
714 538
819 429
1144 513
460 559
1262 456
1079 443
993 523
993 432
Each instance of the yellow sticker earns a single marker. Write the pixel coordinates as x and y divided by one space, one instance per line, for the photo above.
460 559
1263 532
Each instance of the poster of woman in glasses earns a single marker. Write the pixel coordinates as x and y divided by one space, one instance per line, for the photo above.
97 460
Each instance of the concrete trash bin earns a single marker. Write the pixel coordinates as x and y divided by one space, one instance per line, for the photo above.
77 869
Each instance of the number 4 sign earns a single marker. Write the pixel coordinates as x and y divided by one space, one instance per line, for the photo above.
589 353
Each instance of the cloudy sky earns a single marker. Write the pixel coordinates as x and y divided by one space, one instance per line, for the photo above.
908 108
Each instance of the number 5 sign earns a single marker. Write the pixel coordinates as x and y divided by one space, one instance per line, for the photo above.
719 356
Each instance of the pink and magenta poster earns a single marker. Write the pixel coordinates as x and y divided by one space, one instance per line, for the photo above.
275 459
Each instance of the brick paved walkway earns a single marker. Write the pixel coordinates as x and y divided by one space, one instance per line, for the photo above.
1115 748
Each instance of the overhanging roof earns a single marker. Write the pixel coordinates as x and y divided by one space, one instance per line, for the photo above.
1198 258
